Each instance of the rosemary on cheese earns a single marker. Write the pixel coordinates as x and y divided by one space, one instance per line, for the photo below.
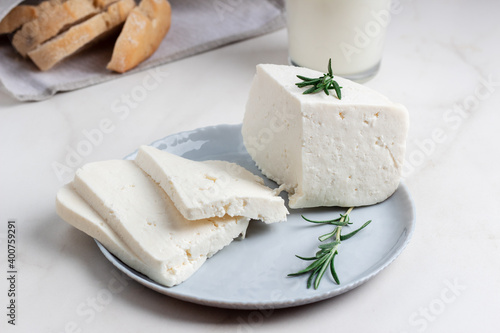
323 83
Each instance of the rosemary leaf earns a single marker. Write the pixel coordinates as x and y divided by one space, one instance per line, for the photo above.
305 78
307 83
322 270
323 83
349 235
310 90
306 258
337 89
326 236
317 90
327 221
332 270
328 246
309 280
320 253
325 257
311 267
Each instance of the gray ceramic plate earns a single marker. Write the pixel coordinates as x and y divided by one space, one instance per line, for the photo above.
252 273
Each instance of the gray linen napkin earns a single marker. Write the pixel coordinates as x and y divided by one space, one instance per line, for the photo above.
197 26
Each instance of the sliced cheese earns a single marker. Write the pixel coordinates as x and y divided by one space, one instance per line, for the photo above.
145 218
211 188
324 151
74 210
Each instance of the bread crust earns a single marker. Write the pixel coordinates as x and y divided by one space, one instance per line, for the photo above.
53 17
17 17
141 35
74 39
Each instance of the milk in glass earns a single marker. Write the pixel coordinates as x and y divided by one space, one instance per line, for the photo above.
350 32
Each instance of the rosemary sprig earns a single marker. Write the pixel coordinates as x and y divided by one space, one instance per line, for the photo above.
327 251
323 83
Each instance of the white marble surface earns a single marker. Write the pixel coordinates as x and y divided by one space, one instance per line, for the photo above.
439 55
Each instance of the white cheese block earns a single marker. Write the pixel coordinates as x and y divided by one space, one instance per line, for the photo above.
211 188
324 151
144 217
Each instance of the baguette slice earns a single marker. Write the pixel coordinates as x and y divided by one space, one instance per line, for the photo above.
17 17
142 34
22 14
55 17
71 41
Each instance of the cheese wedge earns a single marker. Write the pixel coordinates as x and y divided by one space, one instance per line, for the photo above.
211 188
324 151
71 41
144 217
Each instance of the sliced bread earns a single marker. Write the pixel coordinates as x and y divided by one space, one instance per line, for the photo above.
53 18
71 41
17 17
142 34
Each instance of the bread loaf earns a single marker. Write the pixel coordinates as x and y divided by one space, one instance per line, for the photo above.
53 18
17 17
142 34
71 41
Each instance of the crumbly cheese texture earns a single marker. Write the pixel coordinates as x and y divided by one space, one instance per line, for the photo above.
211 188
324 151
137 210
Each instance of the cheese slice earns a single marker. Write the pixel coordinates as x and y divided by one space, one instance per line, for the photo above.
74 210
144 217
324 151
211 188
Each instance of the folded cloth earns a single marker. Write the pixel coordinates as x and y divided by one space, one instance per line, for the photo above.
197 26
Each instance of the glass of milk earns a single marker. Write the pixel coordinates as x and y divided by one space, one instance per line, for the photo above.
350 32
